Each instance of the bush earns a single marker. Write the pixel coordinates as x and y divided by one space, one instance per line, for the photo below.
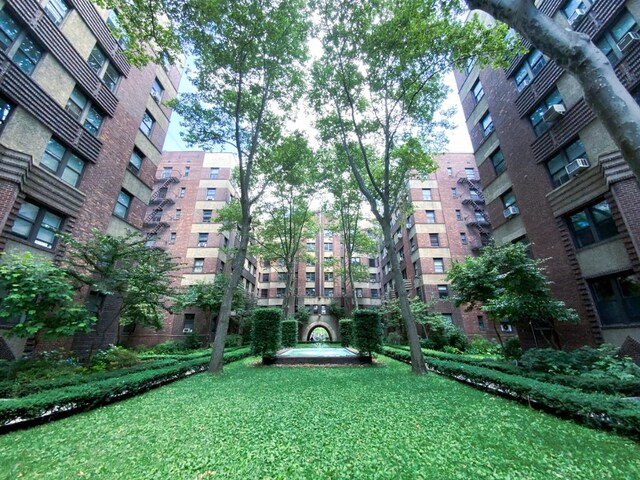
192 342
346 332
481 346
266 334
443 333
458 340
367 331
512 349
113 358
546 360
167 348
233 340
289 333
394 338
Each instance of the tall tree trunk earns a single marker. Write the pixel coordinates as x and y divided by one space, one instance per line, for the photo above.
603 91
288 291
216 363
417 358
356 304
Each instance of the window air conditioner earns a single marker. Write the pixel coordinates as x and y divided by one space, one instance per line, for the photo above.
511 211
578 16
627 40
554 112
399 235
577 166
187 330
156 96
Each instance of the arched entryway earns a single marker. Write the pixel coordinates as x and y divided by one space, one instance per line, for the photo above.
331 331
319 333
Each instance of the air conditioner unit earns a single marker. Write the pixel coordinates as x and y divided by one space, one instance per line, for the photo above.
155 96
511 211
187 330
627 40
202 244
577 166
399 235
554 112
578 17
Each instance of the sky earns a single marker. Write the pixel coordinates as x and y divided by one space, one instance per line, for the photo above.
459 141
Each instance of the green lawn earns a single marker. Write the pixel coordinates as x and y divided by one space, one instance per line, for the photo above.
317 423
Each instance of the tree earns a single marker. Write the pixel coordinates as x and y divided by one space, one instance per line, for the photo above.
287 219
207 296
575 52
138 276
511 286
40 295
377 89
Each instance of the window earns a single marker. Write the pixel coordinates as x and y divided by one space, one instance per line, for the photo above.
431 216
5 110
36 225
183 191
454 192
506 327
470 64
203 238
355 261
264 293
156 90
497 160
477 91
372 262
172 238
198 265
532 65
282 277
487 124
438 265
311 246
188 321
416 268
480 322
102 67
221 266
56 10
426 194
359 292
373 278
480 218
571 7
187 171
62 162
116 29
592 224
443 291
375 293
82 110
147 123
537 122
328 247
309 292
470 173
122 204
328 292
265 277
508 199
166 172
463 238
447 316
556 164
617 298
434 239
280 292
450 171
135 161
458 215
178 214
18 46
310 276
213 173
211 193
608 43
412 244
156 216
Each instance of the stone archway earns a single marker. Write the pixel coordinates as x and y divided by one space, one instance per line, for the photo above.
333 331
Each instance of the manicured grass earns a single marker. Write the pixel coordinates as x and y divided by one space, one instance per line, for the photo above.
316 423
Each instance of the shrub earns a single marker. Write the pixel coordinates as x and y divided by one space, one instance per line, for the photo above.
394 338
481 346
167 348
428 344
444 333
546 360
192 342
512 349
451 350
266 334
233 340
367 331
289 333
346 332
113 358
458 340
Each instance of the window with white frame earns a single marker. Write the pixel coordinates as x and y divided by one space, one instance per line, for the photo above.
438 265
431 216
36 225
57 10
102 67
203 238
147 124
531 66
198 265
477 91
122 204
487 124
62 162
135 161
84 111
214 173
156 90
18 46
426 194
211 193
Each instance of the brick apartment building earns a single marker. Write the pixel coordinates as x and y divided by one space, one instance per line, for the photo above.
190 188
81 131
449 222
553 177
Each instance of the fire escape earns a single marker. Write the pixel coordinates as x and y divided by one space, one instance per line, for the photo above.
480 220
153 223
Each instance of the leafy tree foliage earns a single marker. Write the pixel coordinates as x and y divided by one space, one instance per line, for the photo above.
41 295
140 277
511 286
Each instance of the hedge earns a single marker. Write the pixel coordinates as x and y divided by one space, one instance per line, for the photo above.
64 401
266 332
289 333
367 331
346 331
593 409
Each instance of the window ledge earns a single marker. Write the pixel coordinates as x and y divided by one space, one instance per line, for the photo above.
598 244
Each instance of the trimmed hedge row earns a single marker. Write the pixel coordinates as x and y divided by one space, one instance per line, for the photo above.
593 409
289 333
178 356
608 385
61 401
